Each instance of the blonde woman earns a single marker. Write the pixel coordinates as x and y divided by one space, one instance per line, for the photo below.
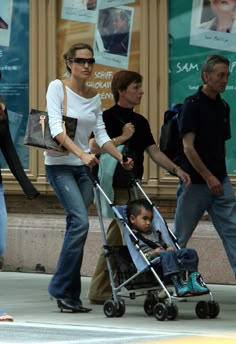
68 174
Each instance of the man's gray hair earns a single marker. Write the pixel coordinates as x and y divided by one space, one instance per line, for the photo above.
209 64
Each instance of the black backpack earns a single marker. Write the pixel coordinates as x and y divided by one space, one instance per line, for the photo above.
170 140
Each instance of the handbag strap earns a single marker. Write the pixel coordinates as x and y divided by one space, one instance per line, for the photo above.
42 117
64 113
65 98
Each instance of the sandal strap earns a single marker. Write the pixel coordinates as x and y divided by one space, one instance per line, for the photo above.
4 316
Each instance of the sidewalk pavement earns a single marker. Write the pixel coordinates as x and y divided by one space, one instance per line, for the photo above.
25 297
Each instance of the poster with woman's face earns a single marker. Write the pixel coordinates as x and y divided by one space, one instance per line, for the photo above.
213 24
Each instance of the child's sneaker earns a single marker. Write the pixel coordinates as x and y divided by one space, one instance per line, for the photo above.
180 287
196 285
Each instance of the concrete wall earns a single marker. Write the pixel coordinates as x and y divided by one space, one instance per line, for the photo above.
34 242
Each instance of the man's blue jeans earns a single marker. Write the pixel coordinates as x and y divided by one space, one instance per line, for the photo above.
74 190
3 221
193 201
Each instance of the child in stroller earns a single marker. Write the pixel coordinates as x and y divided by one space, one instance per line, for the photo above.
174 262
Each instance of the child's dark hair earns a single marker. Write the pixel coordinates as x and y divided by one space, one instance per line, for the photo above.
134 207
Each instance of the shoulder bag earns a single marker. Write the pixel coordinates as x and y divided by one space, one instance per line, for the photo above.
38 132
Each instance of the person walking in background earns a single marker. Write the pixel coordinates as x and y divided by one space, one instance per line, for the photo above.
9 152
68 174
126 127
204 127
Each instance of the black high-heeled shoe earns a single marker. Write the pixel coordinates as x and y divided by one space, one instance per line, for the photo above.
75 307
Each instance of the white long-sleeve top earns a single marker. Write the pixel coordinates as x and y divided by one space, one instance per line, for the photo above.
89 119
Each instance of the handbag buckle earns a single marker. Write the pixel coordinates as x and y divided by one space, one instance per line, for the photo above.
42 118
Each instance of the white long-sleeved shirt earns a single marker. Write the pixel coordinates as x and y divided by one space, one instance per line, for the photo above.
88 113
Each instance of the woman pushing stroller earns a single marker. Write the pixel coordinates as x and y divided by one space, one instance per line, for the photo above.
174 262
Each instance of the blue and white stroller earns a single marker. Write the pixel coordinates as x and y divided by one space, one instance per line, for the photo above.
137 274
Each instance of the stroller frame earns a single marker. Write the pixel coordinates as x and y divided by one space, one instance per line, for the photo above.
153 305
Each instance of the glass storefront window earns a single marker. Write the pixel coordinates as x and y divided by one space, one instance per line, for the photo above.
98 26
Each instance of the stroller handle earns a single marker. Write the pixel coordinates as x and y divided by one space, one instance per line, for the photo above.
125 158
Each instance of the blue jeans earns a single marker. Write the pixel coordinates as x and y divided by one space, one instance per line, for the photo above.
3 221
185 259
74 190
193 201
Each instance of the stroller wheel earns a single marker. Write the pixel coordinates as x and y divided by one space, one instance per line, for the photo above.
160 311
214 309
202 309
172 311
109 308
149 304
120 310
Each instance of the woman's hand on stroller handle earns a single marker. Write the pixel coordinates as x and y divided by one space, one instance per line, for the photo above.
127 163
88 159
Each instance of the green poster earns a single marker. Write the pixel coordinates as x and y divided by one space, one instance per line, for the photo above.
14 65
186 55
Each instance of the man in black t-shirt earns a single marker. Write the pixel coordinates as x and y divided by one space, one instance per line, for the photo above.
125 126
204 127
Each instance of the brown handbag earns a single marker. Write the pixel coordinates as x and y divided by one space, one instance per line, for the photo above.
38 132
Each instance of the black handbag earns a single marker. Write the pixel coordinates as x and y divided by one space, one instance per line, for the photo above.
38 132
